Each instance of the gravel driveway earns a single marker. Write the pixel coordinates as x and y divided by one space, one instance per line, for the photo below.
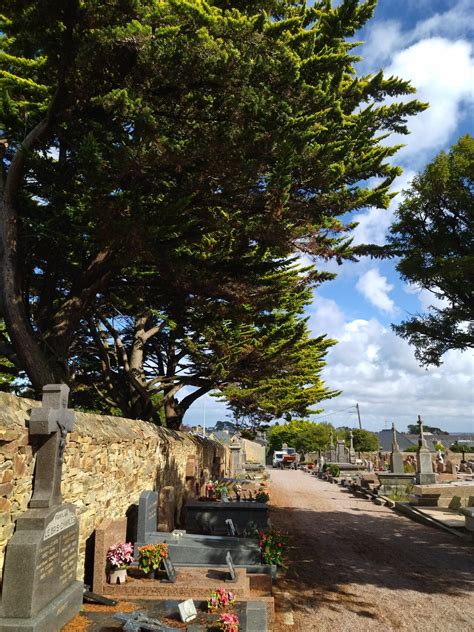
356 566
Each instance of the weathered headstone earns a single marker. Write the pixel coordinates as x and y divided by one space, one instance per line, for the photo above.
424 468
230 565
396 457
40 591
166 509
147 514
450 467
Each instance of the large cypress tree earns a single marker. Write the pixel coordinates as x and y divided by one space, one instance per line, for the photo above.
135 130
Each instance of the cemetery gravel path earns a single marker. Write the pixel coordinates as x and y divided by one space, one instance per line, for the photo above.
356 566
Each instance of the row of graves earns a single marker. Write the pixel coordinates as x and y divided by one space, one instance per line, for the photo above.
427 488
207 576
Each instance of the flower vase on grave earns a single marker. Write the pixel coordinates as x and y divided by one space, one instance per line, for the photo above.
117 576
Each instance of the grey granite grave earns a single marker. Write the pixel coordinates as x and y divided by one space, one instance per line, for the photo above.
186 549
147 515
40 592
209 517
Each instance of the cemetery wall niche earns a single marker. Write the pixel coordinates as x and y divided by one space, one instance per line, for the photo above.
108 462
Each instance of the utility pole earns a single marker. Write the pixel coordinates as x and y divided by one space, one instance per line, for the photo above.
358 415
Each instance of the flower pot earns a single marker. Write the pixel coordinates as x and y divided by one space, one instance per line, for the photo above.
118 576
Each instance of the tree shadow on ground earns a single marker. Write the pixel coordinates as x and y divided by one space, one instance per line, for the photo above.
330 550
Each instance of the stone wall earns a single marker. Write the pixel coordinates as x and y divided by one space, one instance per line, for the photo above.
108 462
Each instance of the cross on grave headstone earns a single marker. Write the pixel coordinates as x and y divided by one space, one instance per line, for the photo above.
51 422
231 567
170 570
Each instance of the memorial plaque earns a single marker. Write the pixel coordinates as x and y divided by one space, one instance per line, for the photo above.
170 570
230 565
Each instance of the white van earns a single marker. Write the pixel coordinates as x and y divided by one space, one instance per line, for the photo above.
278 459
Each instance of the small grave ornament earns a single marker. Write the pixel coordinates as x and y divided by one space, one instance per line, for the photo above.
187 611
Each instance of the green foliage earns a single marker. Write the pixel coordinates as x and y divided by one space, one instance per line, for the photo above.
273 545
459 447
174 156
433 234
332 469
363 440
411 448
303 435
414 429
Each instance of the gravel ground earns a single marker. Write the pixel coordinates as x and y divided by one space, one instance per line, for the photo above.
356 566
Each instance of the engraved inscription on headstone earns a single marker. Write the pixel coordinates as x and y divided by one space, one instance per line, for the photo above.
61 521
230 565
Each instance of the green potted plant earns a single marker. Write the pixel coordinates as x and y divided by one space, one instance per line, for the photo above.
150 557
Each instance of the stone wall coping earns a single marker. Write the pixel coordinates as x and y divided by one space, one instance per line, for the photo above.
14 412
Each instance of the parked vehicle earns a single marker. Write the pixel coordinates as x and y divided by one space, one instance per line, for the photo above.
286 457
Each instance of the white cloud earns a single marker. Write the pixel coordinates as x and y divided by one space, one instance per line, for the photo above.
443 73
427 299
375 368
373 223
457 22
384 37
375 288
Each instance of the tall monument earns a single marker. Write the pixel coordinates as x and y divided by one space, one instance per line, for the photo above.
424 468
40 592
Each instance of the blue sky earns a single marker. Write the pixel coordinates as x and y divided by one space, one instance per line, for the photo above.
430 43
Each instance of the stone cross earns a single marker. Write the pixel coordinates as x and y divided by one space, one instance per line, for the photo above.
51 422
395 446
421 439
351 447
